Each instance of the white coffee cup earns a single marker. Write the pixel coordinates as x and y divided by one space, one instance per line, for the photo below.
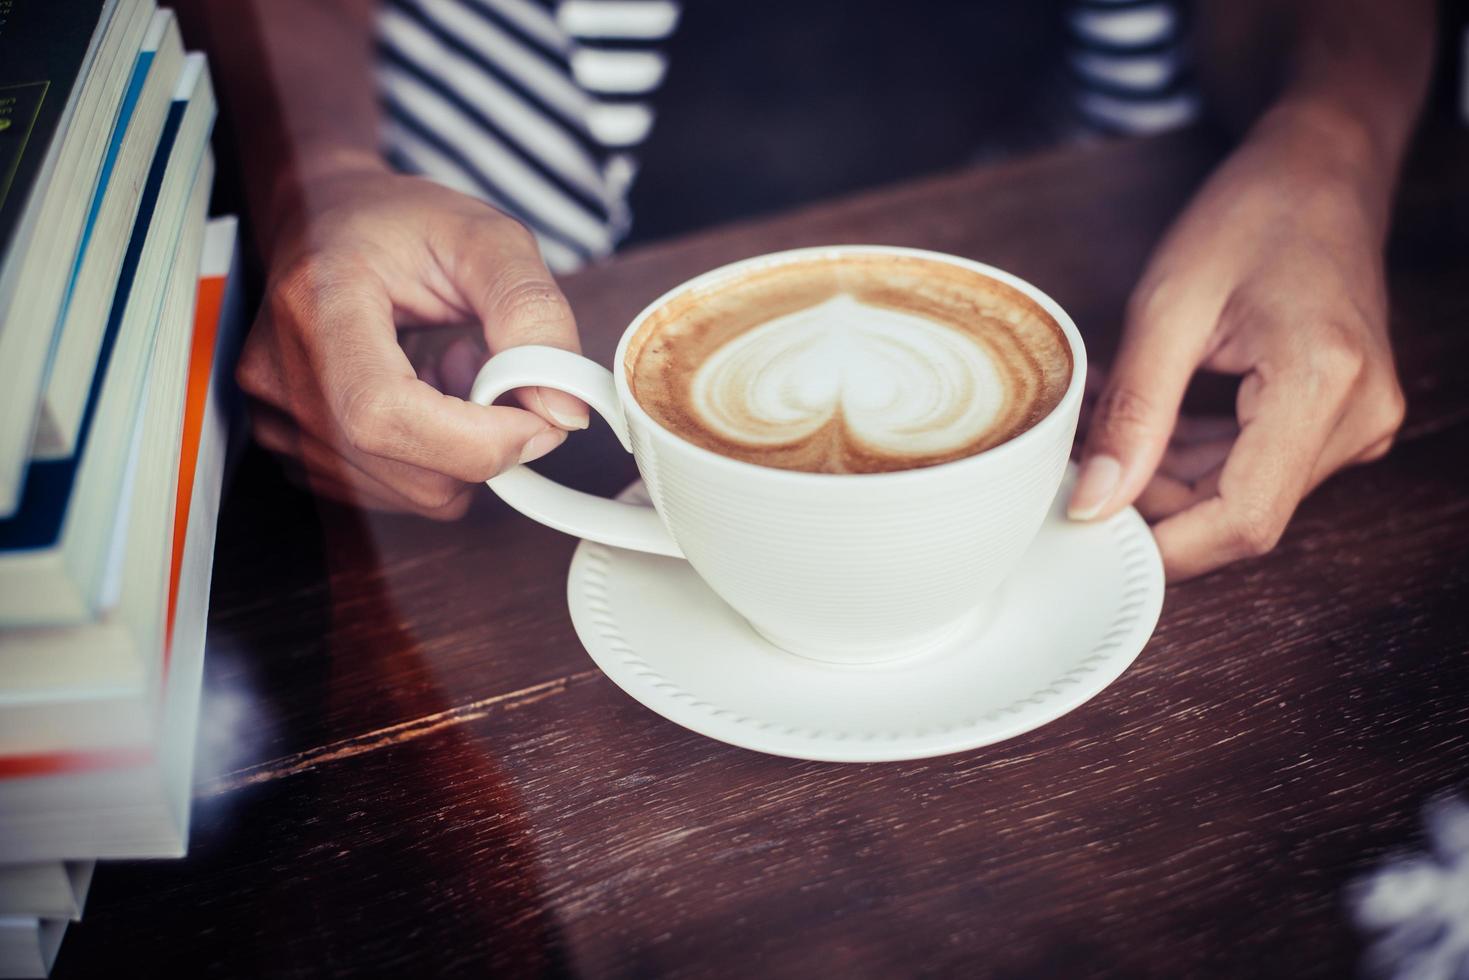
847 568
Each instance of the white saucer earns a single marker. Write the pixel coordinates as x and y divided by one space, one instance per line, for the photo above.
1070 620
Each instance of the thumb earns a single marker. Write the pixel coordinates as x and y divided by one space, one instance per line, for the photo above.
506 282
1135 415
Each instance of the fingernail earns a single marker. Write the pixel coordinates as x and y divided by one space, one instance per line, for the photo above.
541 443
572 414
1098 481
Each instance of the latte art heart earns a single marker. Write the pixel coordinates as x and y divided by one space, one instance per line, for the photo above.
856 364
894 381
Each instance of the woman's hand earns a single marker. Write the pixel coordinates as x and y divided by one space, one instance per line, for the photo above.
372 253
1274 272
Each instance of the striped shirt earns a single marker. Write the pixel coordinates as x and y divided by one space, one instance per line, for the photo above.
538 107
1130 65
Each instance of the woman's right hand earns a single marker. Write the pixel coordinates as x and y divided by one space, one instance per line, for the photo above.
370 253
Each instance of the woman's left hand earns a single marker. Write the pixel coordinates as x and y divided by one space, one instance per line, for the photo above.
1273 272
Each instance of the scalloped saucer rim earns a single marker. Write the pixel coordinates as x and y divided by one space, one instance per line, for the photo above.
661 635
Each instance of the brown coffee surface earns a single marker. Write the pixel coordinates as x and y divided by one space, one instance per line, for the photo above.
858 363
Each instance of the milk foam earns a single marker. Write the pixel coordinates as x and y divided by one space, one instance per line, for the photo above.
850 364
899 383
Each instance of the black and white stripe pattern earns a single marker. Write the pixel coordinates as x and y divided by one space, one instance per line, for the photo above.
1130 64
538 106
535 107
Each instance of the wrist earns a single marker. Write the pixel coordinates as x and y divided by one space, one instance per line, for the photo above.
301 188
324 163
1328 129
1322 143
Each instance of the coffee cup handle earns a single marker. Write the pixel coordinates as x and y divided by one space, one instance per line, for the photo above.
622 525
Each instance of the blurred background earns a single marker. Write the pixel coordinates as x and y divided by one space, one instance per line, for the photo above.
768 104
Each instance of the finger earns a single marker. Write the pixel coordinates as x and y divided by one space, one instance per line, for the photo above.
1177 486
378 406
309 459
342 376
274 371
324 487
1188 463
408 422
393 503
396 485
1129 432
1367 430
508 286
258 371
284 444
1164 496
1186 475
274 430
1285 425
364 498
431 490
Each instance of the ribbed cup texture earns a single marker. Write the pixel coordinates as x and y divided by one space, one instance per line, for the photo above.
856 568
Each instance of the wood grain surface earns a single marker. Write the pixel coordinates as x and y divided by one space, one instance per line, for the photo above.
410 766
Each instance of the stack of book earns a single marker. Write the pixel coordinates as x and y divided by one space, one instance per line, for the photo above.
117 299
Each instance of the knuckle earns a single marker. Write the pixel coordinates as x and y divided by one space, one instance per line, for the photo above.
1382 417
514 232
304 293
368 421
253 371
1151 299
1388 408
294 290
534 300
1124 409
266 436
456 507
433 493
1255 529
1336 353
534 305
250 372
502 457
1376 450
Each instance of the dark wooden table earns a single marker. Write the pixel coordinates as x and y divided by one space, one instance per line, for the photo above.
412 768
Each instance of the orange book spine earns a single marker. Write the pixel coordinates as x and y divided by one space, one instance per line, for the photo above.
201 367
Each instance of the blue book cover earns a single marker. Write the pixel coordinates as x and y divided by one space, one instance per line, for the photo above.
38 521
109 160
